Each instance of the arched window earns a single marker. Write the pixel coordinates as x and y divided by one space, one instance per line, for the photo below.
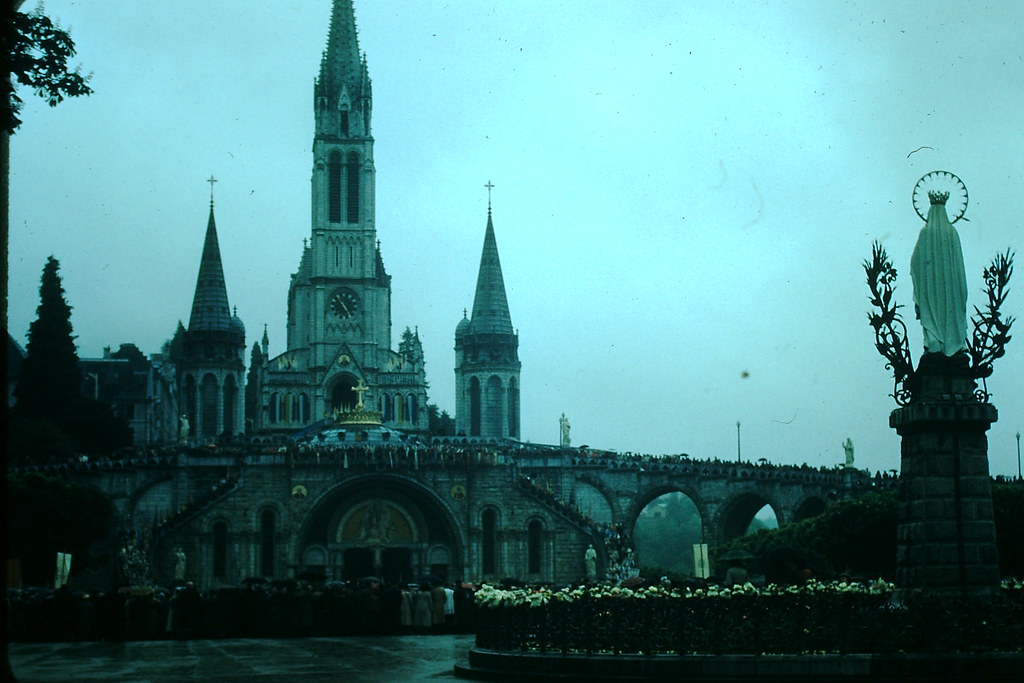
513 408
230 405
389 414
274 407
412 411
489 549
533 546
268 530
494 407
399 412
334 188
286 408
304 403
352 190
220 550
474 406
208 406
296 409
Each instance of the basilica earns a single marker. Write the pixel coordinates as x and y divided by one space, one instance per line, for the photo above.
339 353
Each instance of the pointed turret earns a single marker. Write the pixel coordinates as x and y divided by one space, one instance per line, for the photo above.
210 310
487 354
490 305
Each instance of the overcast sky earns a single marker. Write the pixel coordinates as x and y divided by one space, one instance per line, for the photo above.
684 193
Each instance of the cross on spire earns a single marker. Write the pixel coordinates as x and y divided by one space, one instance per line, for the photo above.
489 186
211 180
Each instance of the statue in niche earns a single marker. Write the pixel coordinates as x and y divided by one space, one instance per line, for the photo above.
183 428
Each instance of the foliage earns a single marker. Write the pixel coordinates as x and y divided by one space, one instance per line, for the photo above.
50 379
858 537
51 417
991 332
855 537
890 330
46 515
839 617
440 423
1008 508
37 54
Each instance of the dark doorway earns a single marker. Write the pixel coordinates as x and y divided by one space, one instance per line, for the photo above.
343 395
358 563
397 567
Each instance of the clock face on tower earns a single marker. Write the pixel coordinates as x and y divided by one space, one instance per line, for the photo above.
344 304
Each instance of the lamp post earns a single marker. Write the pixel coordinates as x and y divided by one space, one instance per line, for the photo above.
1018 456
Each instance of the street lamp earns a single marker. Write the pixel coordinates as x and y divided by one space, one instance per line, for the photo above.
1018 456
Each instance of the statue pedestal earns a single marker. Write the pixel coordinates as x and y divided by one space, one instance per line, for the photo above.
946 539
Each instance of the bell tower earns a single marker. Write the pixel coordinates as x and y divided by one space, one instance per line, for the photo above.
341 293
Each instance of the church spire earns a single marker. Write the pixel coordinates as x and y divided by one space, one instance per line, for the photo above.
343 87
210 310
490 306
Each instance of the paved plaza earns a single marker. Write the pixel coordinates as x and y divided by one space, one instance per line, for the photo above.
361 659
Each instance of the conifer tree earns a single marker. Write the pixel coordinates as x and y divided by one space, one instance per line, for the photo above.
50 381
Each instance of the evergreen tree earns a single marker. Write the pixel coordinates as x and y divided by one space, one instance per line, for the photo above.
51 417
50 381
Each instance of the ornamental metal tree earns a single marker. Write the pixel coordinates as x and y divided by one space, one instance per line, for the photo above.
946 536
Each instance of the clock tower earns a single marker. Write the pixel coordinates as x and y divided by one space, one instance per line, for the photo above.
339 299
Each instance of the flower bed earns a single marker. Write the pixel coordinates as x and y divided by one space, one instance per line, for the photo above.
838 618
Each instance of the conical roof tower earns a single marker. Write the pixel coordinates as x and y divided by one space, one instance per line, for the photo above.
487 354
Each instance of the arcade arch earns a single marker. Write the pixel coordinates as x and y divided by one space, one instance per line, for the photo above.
666 529
386 526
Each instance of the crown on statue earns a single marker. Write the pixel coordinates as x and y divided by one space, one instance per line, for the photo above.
937 197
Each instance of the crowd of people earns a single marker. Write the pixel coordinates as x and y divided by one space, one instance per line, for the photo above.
256 609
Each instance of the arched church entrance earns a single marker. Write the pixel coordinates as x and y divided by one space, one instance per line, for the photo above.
383 526
343 393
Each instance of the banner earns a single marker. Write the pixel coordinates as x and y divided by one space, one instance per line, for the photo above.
63 569
701 566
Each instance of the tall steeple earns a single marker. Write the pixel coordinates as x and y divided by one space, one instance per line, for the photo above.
343 92
210 310
490 305
487 354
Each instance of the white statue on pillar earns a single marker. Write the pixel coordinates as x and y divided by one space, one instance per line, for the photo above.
563 425
940 281
848 448
183 429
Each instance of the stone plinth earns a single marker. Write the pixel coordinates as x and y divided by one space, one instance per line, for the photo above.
946 540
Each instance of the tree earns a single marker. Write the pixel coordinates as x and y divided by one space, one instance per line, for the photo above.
440 423
50 380
46 515
36 53
37 56
51 417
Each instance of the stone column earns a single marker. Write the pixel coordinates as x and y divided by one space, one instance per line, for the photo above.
946 539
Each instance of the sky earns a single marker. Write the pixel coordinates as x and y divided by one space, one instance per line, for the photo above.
684 195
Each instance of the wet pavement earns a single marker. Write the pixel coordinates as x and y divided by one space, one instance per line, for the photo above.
350 659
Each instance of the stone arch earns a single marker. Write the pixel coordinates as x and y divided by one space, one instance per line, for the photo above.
342 394
151 502
475 400
811 506
594 500
231 405
384 523
665 527
735 516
